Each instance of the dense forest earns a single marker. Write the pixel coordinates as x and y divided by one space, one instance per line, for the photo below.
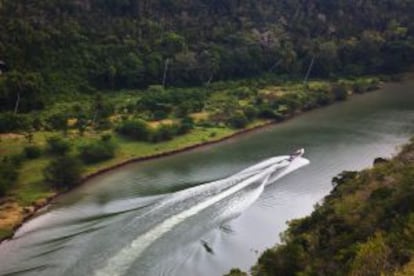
364 227
57 46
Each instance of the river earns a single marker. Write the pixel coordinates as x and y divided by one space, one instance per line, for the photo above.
144 219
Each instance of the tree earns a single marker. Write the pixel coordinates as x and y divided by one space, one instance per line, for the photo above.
97 151
135 129
57 146
238 120
24 88
371 258
171 44
64 172
8 175
209 60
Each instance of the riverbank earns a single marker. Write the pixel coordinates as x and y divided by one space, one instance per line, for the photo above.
13 215
365 226
17 210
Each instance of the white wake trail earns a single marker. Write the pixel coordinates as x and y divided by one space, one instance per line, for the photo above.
122 261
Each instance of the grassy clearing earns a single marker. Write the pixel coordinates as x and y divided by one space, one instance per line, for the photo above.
31 188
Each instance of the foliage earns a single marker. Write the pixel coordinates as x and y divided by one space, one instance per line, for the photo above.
236 272
185 126
63 172
56 145
160 103
238 120
134 129
32 151
10 122
364 227
8 174
162 133
22 92
143 43
97 151
339 92
57 121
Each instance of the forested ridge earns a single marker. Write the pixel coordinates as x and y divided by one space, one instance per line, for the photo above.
111 44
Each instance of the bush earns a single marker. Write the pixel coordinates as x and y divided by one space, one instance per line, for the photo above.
97 151
242 92
186 124
32 152
268 113
250 112
10 122
63 172
8 175
103 124
339 92
57 121
159 115
163 133
57 146
238 120
135 129
359 87
323 98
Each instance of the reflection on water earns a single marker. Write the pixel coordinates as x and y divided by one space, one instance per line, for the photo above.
86 228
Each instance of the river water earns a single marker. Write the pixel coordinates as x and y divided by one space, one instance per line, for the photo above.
147 219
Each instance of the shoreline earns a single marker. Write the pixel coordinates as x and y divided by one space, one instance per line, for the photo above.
30 211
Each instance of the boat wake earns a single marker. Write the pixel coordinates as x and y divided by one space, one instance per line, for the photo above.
205 196
127 239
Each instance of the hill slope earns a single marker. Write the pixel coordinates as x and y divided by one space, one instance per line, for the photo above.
108 44
364 227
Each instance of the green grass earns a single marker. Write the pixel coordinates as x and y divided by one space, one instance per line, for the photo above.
4 233
30 185
129 149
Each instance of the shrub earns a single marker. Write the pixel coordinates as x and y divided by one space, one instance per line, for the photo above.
359 87
57 121
103 124
32 152
97 151
8 175
268 113
339 92
159 115
37 123
250 112
135 129
186 124
241 92
10 122
323 98
57 146
238 120
64 172
163 133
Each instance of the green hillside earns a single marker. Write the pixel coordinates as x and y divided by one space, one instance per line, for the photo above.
83 45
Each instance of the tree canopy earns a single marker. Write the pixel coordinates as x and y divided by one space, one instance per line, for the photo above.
112 44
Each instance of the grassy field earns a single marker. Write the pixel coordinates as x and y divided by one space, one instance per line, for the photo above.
30 187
